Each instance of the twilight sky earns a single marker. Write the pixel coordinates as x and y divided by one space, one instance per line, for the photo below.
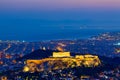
31 17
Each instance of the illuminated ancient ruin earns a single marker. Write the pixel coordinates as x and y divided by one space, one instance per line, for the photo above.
61 54
61 60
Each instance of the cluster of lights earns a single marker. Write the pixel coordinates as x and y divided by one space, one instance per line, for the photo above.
117 44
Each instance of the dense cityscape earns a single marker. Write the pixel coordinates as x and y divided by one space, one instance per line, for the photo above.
59 39
106 46
79 45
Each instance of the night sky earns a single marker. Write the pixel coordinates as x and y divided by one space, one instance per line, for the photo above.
24 19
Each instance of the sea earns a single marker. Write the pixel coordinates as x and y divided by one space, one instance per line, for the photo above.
57 34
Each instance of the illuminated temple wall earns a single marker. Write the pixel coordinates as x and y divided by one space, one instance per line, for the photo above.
86 56
61 54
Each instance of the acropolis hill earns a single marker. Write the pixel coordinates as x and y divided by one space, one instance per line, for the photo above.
61 60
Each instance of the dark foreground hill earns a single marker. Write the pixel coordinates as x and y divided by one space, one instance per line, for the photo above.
38 54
